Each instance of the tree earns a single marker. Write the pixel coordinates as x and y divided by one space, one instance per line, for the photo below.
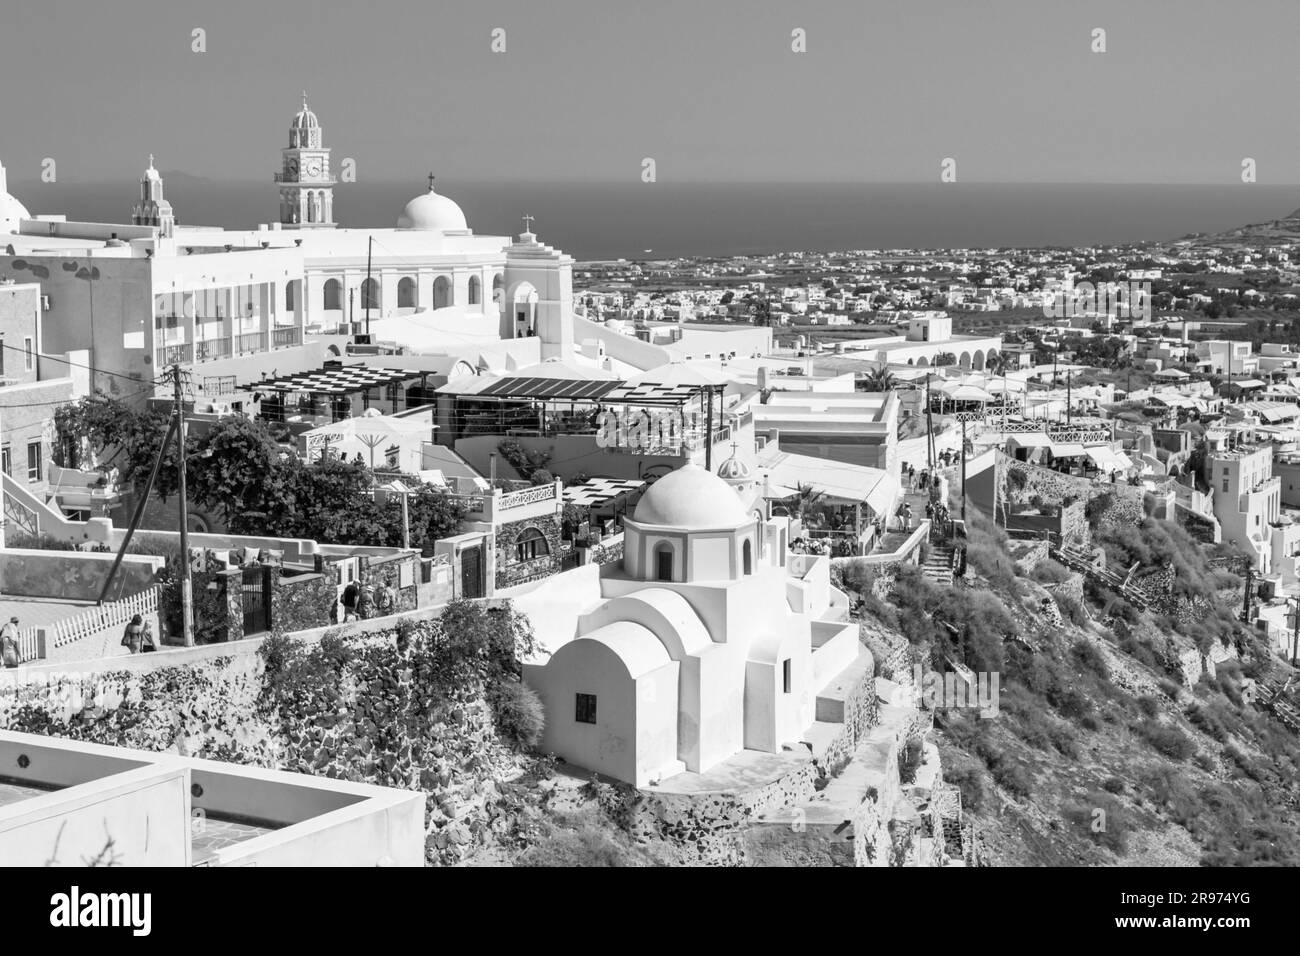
945 358
237 467
107 430
880 380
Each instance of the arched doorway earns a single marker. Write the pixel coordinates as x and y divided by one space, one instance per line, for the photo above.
747 557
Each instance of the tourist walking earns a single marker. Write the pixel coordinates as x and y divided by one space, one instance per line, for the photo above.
9 643
147 642
133 636
351 594
907 517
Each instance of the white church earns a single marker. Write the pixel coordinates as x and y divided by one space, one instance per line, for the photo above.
708 640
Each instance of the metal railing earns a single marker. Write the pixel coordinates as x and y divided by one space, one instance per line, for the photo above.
207 350
174 355
285 338
251 342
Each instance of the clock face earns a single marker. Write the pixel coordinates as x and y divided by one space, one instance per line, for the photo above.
292 167
313 167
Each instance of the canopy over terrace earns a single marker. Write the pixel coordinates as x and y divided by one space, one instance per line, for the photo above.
380 388
848 500
651 417
605 498
398 441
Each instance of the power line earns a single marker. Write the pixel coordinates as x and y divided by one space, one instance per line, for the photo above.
71 364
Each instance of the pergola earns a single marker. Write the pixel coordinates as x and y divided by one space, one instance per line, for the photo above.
336 382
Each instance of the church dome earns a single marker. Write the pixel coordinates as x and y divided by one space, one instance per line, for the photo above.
432 213
305 119
690 497
734 470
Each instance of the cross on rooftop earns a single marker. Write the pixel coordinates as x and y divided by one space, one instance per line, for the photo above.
304 99
151 160
528 223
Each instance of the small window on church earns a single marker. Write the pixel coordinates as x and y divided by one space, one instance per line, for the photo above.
785 676
585 709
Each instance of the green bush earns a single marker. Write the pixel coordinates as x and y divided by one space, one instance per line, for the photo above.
1170 741
518 712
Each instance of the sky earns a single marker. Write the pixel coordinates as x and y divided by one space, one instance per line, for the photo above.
709 89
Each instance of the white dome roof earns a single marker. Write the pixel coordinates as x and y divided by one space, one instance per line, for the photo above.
432 213
691 497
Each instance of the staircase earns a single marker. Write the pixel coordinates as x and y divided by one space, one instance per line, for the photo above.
1269 697
938 566
1078 560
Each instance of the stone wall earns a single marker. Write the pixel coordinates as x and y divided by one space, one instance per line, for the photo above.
1028 555
1025 481
510 570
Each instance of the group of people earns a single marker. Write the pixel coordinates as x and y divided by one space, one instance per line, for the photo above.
359 602
138 637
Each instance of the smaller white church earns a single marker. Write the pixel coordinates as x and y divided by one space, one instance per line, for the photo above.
709 638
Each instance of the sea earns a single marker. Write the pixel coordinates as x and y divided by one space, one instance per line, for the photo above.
662 220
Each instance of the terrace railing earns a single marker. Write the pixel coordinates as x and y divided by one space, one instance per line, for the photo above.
174 355
207 350
286 337
250 342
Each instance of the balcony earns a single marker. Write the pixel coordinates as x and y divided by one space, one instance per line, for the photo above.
208 350
250 342
182 354
286 337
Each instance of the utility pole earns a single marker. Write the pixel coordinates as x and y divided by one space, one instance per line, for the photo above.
1068 393
1245 610
1295 633
368 288
406 520
187 581
352 310
963 468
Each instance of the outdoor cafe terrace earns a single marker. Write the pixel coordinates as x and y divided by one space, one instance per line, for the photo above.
337 392
676 415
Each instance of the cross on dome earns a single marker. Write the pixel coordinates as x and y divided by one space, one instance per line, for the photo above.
431 179
304 99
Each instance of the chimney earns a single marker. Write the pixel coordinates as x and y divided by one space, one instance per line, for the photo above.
492 469
763 374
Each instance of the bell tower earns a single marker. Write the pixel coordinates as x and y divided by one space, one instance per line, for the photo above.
306 185
153 209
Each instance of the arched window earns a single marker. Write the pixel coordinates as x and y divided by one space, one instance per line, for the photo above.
664 562
441 292
370 293
406 293
288 296
475 293
333 295
747 557
531 545
498 287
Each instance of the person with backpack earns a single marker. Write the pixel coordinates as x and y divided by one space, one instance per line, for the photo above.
384 599
9 643
133 636
365 603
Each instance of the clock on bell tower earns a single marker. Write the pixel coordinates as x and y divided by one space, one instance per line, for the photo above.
306 187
